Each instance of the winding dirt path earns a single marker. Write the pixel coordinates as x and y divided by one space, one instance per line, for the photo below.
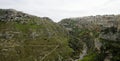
49 53
84 52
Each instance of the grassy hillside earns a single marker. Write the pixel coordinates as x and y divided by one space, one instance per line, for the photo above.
24 37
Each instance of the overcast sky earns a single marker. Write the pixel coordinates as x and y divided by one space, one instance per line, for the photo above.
59 9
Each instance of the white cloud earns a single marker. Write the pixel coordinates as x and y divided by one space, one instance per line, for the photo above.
59 9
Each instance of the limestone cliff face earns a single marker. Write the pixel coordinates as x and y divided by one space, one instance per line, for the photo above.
100 34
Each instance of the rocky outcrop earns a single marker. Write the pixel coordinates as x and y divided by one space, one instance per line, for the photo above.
100 33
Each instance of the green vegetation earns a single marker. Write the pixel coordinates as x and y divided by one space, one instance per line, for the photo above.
24 37
30 38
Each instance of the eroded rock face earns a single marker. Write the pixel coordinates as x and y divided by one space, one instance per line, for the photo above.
98 44
100 33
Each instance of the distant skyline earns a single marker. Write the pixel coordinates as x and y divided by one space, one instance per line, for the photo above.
59 9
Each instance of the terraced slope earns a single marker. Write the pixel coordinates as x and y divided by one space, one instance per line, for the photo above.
24 37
